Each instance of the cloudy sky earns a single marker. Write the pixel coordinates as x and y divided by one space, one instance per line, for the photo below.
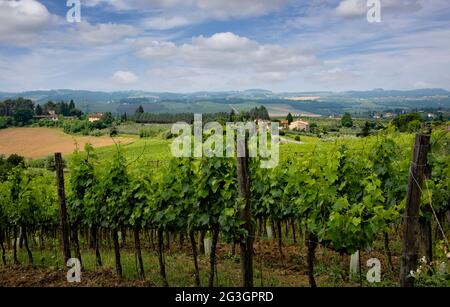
195 45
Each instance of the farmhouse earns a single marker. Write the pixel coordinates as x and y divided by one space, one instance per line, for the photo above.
284 124
260 123
95 117
299 125
51 116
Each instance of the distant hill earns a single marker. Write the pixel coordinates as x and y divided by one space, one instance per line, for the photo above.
396 93
324 102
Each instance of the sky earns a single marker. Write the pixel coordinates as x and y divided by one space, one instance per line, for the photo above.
218 45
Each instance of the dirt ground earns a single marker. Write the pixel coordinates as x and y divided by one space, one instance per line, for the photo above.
14 276
40 142
288 271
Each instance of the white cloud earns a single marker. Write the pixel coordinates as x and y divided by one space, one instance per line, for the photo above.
238 8
223 42
218 8
21 21
223 61
53 67
356 8
167 22
336 76
158 50
169 14
350 8
124 77
102 33
228 51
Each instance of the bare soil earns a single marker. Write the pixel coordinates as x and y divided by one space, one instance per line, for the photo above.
14 276
40 142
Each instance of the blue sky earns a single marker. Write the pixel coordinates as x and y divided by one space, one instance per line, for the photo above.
213 45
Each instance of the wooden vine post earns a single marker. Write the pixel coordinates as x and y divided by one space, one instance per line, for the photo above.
246 244
411 236
62 206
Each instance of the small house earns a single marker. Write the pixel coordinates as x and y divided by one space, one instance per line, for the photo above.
95 117
284 124
51 115
299 125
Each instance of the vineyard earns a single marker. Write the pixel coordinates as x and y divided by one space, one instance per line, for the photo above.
330 198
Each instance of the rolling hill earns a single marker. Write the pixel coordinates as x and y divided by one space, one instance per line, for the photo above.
322 103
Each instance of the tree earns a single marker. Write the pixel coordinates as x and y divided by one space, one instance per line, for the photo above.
10 107
38 110
62 108
232 115
313 127
414 126
15 160
107 118
71 105
140 110
365 130
23 116
76 112
257 113
289 118
401 122
347 120
4 122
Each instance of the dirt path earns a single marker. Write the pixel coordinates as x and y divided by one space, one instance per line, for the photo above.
286 140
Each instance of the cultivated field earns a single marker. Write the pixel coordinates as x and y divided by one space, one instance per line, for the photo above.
39 142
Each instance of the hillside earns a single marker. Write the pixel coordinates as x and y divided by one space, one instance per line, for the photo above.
322 103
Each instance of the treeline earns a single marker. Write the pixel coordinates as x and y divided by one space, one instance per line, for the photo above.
222 117
16 112
60 108
20 111
85 127
23 112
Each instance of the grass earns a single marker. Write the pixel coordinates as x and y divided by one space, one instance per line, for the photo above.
179 266
141 149
331 269
135 128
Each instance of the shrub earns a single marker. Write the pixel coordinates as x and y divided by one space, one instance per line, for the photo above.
49 163
167 135
38 163
347 120
113 132
96 132
414 126
402 122
5 122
